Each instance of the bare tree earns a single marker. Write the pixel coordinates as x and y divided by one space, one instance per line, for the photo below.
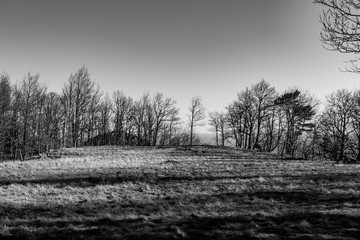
245 105
234 119
143 108
356 123
272 129
30 93
53 117
164 109
197 114
77 96
218 122
223 127
214 122
336 124
92 117
173 122
264 96
341 27
5 115
131 125
122 105
105 109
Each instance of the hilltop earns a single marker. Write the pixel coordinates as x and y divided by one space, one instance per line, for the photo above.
177 193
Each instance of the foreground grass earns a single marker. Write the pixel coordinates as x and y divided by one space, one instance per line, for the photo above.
196 193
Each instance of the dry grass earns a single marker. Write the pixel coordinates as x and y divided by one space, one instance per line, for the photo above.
177 193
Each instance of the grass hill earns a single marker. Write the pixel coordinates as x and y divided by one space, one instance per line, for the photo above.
177 193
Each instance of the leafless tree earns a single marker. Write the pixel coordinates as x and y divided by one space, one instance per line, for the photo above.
131 124
30 94
214 122
53 118
218 122
143 112
234 119
245 105
356 123
92 117
251 117
197 114
5 114
223 127
273 129
77 96
336 124
105 109
341 27
264 96
165 111
122 105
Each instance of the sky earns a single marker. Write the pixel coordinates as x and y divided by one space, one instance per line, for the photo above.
181 48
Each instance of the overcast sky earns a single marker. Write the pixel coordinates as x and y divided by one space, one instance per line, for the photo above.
182 48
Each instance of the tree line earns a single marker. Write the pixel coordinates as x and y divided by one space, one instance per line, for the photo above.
293 123
33 120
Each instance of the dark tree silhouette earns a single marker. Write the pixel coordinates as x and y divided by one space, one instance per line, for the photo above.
122 105
53 119
5 117
336 124
341 28
164 111
197 114
77 96
214 122
264 96
298 110
30 95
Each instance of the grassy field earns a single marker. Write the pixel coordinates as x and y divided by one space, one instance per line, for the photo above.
177 193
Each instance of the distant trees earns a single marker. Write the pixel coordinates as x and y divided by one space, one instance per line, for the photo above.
245 104
5 114
338 125
298 110
165 111
214 121
29 99
340 122
196 115
249 115
171 129
262 119
105 115
341 27
355 124
264 96
77 96
290 123
91 126
121 111
218 122
53 115
33 120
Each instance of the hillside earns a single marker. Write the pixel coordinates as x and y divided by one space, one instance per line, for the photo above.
177 193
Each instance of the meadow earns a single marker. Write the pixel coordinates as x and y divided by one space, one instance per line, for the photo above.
177 193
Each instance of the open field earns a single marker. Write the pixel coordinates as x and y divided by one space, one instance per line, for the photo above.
177 193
